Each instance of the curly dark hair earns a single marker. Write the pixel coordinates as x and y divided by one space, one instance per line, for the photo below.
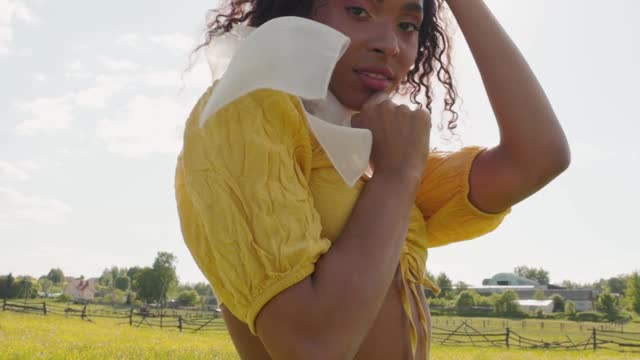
432 61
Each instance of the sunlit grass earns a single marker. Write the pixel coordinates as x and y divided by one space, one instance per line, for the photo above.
56 337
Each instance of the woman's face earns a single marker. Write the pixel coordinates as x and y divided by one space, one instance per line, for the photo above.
383 48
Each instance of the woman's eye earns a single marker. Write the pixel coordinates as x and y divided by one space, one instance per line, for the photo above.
406 26
358 11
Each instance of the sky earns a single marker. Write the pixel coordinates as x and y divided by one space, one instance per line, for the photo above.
94 96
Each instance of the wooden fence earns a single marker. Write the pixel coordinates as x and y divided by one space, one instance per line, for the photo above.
135 317
464 334
467 335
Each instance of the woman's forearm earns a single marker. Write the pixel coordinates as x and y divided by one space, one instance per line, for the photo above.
529 130
328 315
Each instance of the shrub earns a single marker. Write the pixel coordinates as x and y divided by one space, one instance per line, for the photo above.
608 304
558 303
590 316
506 304
465 301
65 298
570 309
188 298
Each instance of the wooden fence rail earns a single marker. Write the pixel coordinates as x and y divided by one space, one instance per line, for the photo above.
135 317
465 334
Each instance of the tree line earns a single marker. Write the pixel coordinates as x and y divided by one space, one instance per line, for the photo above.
137 285
159 284
618 299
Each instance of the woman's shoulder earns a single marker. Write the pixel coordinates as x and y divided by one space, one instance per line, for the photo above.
259 122
263 108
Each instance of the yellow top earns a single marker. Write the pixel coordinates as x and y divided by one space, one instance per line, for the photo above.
260 202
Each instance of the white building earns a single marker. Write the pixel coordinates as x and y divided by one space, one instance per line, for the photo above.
531 306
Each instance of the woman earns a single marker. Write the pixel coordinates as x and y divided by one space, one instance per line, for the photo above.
310 258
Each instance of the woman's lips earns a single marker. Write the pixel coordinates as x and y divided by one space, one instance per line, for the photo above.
374 81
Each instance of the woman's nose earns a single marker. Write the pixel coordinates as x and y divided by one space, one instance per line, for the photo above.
384 40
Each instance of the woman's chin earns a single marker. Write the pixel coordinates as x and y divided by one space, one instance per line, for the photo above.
353 100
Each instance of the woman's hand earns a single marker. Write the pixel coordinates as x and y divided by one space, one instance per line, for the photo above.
400 136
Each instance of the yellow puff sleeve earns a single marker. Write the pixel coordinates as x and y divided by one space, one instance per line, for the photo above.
246 211
443 198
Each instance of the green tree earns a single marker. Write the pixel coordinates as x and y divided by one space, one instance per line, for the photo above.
114 297
461 285
538 274
539 295
465 301
558 303
570 308
568 284
445 284
45 284
115 273
26 288
154 283
131 274
633 292
203 289
122 283
8 287
56 276
165 267
188 298
148 285
506 303
482 300
106 279
608 304
616 285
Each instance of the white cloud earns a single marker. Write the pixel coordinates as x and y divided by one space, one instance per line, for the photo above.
118 65
130 39
17 208
11 13
147 125
9 171
77 70
176 42
162 79
29 165
98 95
51 114
198 77
45 115
40 77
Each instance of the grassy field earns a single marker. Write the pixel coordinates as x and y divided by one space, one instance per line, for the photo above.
56 337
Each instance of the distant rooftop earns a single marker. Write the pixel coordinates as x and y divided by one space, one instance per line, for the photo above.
509 279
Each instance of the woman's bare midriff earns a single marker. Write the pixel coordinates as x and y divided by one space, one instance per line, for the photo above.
387 339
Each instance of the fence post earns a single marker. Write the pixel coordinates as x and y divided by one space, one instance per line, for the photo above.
131 317
84 312
180 323
595 340
507 337
44 308
4 304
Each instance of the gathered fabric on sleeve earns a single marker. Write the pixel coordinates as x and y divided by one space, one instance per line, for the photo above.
443 198
246 211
